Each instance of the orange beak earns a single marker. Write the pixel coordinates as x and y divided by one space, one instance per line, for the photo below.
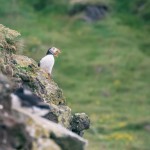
59 51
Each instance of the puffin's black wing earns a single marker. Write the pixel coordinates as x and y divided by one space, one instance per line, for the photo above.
39 64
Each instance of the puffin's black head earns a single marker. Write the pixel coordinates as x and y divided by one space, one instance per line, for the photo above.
53 51
49 52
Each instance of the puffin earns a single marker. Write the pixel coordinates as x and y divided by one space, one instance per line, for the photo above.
47 62
24 98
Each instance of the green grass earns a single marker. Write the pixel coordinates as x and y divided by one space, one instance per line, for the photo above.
103 71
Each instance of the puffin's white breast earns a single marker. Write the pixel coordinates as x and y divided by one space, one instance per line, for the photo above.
47 63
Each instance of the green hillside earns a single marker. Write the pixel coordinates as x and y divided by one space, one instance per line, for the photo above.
104 67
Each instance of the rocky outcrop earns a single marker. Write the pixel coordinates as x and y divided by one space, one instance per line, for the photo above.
80 122
25 72
20 129
32 129
13 133
88 11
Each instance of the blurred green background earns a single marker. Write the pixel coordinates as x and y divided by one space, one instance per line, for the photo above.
104 68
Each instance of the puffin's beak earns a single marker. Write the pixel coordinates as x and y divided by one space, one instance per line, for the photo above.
59 51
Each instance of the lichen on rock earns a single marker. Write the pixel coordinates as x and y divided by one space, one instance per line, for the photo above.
80 122
9 39
36 79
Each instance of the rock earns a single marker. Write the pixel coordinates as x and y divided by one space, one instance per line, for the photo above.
60 114
42 129
32 77
80 122
38 133
27 73
36 79
5 90
13 134
20 129
90 12
8 39
95 12
23 61
7 70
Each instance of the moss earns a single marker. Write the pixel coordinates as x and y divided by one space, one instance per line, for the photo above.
8 40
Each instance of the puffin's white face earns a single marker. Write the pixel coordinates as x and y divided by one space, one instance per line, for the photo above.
55 51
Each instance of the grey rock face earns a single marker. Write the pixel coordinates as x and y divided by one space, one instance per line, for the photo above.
5 89
13 134
60 114
41 129
20 129
27 74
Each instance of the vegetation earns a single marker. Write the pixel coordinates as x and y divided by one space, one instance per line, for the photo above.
9 39
103 69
